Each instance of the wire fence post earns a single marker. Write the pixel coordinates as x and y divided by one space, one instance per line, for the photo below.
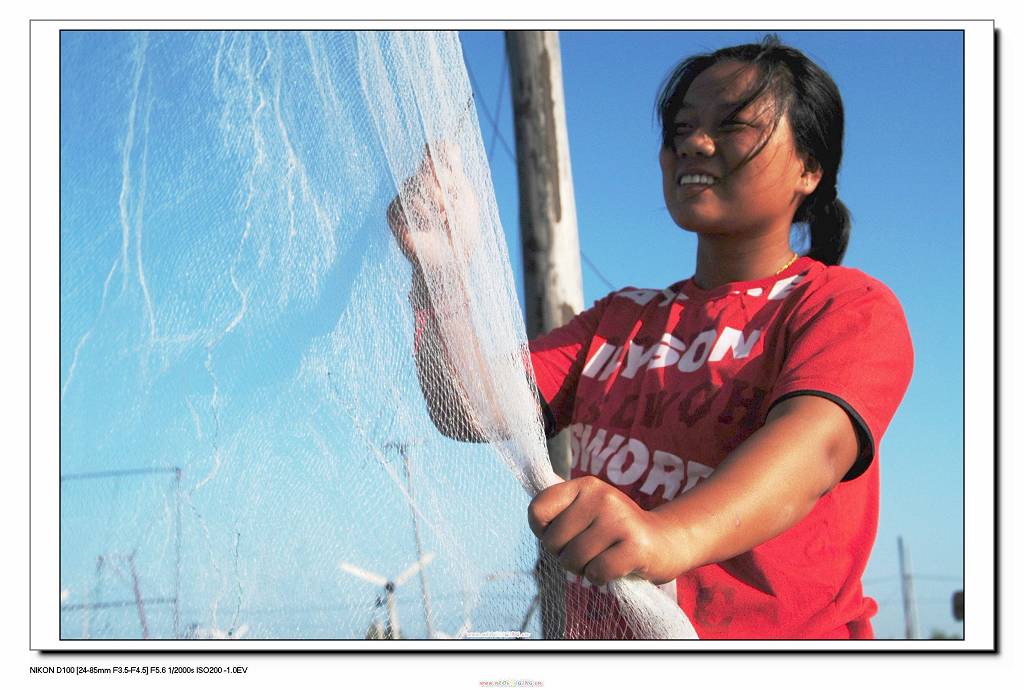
91 604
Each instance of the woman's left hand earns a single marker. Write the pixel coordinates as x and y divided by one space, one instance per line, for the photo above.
763 488
598 532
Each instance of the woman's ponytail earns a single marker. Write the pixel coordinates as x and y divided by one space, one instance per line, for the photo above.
828 222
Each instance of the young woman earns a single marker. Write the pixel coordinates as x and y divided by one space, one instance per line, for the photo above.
725 429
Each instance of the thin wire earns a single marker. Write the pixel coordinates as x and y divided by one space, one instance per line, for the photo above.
935 578
497 107
496 134
495 131
356 599
598 273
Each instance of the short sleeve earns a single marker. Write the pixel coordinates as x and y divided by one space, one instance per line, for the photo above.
852 347
558 358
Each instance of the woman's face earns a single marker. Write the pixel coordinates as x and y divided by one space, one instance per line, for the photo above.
708 187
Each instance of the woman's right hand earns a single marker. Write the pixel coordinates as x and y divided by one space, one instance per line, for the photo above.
435 218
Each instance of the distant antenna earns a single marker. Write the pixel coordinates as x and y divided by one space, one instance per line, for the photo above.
909 602
137 591
403 450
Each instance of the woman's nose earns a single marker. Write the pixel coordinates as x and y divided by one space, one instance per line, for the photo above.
695 143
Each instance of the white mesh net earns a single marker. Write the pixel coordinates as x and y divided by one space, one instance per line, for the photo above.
246 448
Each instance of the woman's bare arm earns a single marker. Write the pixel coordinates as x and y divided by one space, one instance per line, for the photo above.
767 485
447 397
436 221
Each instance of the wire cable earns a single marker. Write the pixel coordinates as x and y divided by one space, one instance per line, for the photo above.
496 135
497 106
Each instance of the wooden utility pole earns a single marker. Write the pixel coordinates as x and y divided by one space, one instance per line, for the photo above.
909 602
547 207
547 221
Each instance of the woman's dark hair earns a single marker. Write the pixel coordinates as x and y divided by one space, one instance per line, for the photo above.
808 96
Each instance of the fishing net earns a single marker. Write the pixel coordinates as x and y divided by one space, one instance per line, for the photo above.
246 448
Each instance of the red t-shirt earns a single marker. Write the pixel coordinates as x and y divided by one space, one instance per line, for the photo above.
657 387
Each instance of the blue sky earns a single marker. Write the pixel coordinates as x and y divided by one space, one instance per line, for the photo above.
162 366
902 178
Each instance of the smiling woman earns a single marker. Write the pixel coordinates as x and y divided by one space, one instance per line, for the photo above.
724 429
770 123
733 170
772 540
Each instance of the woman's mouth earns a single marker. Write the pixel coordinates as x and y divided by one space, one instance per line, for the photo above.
699 179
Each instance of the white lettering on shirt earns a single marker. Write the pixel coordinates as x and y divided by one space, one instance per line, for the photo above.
590 454
666 353
595 453
575 432
669 297
636 357
783 287
668 471
641 459
732 339
613 365
608 359
641 297
708 346
698 351
694 473
600 358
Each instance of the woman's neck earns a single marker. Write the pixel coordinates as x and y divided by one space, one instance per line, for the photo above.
723 259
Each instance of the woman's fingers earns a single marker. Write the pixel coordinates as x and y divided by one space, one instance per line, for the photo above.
436 214
588 546
412 212
599 552
549 504
591 527
569 526
618 560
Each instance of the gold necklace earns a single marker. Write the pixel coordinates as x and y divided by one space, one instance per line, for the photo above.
788 263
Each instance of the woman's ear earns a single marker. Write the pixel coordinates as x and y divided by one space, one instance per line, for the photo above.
811 176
